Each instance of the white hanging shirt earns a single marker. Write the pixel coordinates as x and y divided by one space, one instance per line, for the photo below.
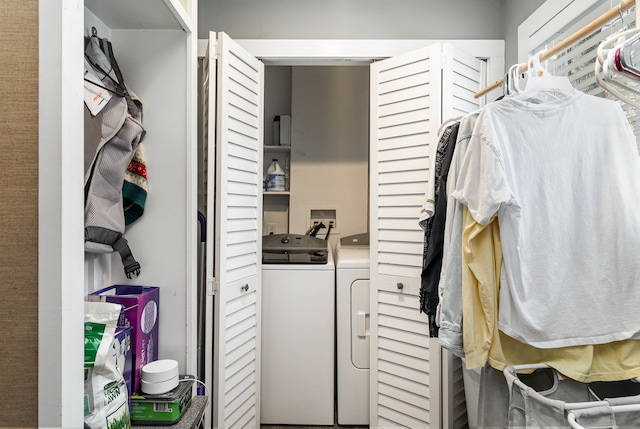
564 179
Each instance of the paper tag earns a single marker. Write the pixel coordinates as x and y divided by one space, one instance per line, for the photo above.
95 97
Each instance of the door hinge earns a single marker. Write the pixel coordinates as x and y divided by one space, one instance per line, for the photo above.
212 286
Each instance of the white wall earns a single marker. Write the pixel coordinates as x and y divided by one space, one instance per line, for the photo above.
277 96
329 158
277 101
369 19
353 19
516 12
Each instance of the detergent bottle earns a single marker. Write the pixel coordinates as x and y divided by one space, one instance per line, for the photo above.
275 177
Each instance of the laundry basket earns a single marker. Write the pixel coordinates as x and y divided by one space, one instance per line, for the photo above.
621 408
566 403
544 408
606 416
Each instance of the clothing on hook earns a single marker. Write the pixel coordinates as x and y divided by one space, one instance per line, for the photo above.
446 123
524 152
434 228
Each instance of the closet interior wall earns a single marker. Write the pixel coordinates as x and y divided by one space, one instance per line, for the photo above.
155 46
153 63
19 212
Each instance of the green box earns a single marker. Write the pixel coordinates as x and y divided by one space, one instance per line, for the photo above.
165 409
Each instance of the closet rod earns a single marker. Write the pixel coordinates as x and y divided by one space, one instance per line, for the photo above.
564 44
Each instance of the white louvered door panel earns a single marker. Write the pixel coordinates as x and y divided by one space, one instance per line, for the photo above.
405 116
462 76
405 109
407 360
411 95
237 151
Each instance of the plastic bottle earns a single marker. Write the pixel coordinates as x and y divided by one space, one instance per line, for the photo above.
276 131
275 177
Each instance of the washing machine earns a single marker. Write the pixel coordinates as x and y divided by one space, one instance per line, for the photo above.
352 323
298 331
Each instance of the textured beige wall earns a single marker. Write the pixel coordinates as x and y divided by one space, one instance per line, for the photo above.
19 213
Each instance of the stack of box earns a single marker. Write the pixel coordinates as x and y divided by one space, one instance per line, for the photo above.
140 312
163 409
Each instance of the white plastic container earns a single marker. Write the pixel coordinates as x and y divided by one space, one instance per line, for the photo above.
275 177
159 376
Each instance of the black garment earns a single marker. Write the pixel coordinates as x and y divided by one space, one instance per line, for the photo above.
434 231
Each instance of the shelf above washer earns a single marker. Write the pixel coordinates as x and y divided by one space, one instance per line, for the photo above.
277 148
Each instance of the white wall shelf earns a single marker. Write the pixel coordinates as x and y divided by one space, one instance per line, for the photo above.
283 149
275 193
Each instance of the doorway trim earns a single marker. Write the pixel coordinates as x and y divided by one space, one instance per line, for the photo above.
351 52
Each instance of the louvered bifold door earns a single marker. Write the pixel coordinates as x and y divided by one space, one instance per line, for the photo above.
405 116
462 76
238 238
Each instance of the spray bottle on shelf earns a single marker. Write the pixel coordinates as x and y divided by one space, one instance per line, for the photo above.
275 177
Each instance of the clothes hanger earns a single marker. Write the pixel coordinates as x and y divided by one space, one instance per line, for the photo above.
542 86
614 64
624 53
513 80
446 123
622 56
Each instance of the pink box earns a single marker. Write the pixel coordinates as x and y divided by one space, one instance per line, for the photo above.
140 310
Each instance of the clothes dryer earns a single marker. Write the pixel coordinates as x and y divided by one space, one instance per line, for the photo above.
298 331
352 323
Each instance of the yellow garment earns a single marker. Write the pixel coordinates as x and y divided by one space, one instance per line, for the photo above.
484 342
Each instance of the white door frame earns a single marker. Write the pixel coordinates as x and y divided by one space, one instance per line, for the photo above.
287 52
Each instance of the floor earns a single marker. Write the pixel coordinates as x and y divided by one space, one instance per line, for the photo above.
310 427
336 426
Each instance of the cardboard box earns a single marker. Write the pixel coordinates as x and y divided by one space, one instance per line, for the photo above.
285 130
123 354
140 311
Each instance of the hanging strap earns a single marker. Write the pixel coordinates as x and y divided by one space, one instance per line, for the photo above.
116 69
118 243
134 105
